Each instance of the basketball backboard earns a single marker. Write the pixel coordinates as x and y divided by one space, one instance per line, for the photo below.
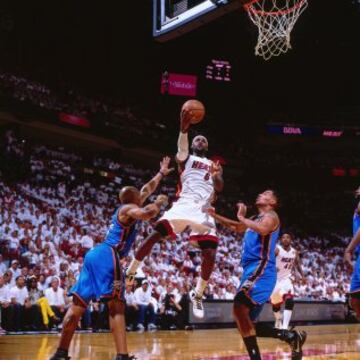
172 18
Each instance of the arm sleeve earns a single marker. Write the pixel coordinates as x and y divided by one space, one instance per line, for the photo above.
183 147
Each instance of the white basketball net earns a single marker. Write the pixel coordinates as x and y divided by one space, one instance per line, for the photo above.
275 20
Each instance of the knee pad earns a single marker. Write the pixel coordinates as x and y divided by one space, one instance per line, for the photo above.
289 303
164 228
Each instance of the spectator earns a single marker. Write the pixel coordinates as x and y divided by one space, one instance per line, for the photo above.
21 305
3 266
169 312
56 297
7 278
86 241
40 302
5 300
188 265
142 297
131 309
16 272
42 286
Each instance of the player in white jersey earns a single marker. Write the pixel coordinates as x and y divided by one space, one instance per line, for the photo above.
200 179
287 261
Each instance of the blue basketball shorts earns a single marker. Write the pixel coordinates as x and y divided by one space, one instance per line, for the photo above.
256 285
101 277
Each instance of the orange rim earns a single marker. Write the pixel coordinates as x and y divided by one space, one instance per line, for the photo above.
248 7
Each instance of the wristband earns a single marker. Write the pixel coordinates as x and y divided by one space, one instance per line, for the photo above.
161 173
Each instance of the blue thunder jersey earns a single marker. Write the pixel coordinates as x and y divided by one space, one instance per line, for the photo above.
356 227
258 247
119 236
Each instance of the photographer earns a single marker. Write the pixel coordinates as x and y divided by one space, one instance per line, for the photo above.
169 312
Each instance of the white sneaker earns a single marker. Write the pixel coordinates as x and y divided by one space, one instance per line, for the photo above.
140 328
152 327
198 309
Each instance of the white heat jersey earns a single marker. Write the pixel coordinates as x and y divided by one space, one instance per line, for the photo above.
196 182
285 262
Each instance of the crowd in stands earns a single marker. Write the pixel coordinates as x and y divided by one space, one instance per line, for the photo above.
140 124
51 218
104 112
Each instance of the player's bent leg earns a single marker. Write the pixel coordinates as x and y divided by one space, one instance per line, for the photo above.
162 229
70 322
242 309
118 328
289 306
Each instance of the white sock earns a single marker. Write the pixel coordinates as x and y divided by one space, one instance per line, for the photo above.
200 286
278 317
286 319
133 267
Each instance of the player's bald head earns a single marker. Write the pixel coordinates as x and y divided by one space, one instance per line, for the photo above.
200 144
129 195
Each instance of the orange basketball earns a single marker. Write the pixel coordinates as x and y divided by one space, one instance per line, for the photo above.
197 110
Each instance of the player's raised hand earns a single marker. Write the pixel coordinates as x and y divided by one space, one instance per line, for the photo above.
185 120
241 212
215 169
164 166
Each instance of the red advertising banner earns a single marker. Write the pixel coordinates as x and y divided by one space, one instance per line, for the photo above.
178 84
74 120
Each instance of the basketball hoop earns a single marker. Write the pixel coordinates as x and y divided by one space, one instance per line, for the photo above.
275 20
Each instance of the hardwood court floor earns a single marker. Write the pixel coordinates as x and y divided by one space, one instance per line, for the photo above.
324 342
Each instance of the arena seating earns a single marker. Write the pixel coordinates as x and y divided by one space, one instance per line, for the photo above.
56 213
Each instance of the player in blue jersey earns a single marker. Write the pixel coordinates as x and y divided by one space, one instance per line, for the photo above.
102 276
259 274
354 247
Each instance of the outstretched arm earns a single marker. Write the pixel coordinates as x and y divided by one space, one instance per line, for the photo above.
183 140
224 221
264 227
143 213
351 247
151 186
